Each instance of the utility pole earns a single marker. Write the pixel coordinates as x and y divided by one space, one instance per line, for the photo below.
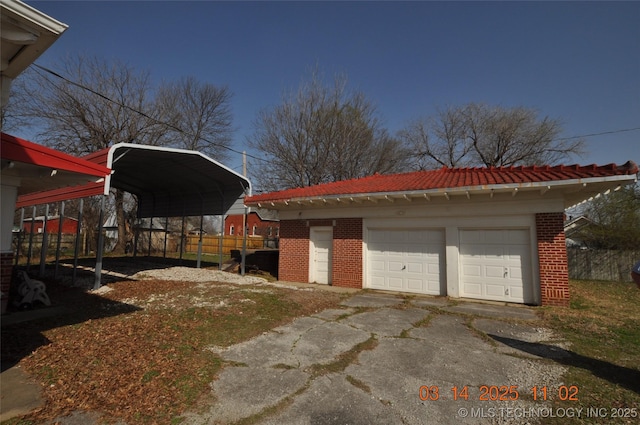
244 220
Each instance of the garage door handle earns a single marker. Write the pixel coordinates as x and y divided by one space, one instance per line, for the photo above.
506 272
403 267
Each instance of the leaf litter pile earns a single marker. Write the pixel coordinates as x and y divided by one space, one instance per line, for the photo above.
138 353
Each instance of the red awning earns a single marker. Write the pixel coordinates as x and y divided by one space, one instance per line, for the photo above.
37 168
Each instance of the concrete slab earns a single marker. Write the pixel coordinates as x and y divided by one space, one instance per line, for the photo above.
333 313
320 405
245 391
523 340
322 344
20 395
430 302
373 300
490 310
386 321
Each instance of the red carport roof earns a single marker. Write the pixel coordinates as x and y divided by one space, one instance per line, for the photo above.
40 168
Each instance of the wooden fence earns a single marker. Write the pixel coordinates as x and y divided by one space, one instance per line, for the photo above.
211 244
600 264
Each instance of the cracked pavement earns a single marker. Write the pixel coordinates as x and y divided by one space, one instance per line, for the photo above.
285 376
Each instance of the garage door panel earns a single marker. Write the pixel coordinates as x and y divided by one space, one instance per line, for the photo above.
415 268
494 272
414 259
495 264
495 290
395 282
472 289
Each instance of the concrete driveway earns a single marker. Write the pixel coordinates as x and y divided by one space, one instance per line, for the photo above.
386 359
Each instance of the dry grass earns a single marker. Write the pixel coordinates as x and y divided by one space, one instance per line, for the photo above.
141 355
603 326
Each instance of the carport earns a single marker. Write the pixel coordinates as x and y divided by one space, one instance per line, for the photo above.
167 182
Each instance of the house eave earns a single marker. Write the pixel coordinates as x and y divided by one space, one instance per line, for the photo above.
573 191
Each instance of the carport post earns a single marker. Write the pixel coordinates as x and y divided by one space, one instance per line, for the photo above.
150 235
76 247
182 239
61 218
99 249
20 233
45 241
200 242
166 232
30 250
244 242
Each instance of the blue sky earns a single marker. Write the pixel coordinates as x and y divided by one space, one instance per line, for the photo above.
576 61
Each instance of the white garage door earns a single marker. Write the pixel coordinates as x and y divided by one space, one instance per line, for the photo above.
408 260
495 264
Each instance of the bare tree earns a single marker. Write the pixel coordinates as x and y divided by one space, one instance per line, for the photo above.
94 106
492 136
616 218
199 116
321 134
438 141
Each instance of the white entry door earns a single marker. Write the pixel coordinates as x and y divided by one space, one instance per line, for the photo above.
406 260
321 240
495 264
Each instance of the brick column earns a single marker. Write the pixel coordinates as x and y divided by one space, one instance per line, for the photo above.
347 253
6 270
552 256
294 251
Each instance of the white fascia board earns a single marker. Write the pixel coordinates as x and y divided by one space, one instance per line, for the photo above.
34 17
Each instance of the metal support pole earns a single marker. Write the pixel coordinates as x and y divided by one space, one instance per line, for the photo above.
76 248
45 242
166 233
100 248
150 236
20 235
136 232
244 242
221 242
61 217
200 242
30 251
182 238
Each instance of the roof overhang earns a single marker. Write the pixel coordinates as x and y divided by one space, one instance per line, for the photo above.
33 167
25 33
166 181
573 192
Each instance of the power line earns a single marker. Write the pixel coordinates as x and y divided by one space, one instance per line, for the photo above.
599 134
173 127
180 130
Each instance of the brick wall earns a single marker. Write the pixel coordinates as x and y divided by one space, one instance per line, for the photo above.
294 251
347 253
552 256
6 269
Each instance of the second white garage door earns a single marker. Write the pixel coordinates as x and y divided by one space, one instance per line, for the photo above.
408 260
495 264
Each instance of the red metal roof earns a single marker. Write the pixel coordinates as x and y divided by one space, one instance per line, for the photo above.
447 178
40 168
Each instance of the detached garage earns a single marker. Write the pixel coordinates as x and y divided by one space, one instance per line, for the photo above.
483 233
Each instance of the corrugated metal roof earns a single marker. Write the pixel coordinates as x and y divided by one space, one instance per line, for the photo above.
40 168
452 179
167 182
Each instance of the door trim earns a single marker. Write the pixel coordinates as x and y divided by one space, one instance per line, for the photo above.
313 273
